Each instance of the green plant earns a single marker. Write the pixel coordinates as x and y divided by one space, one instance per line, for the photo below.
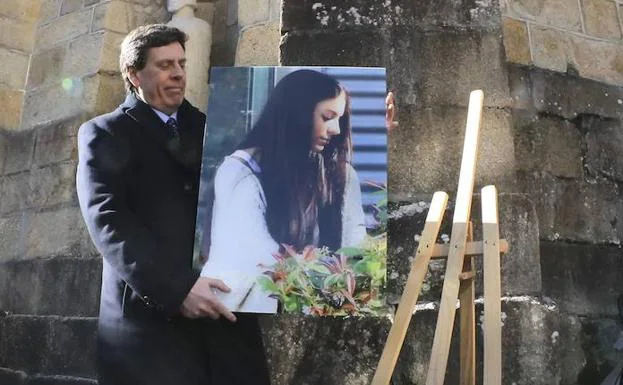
319 281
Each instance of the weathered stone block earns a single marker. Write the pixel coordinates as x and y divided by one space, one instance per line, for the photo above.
50 10
13 190
583 279
516 41
550 144
426 155
579 210
563 14
601 19
604 141
334 49
40 188
311 15
43 235
49 345
84 55
540 346
71 97
14 68
122 17
598 339
26 10
57 143
53 185
46 66
12 230
549 48
520 269
11 101
65 27
252 12
109 59
535 90
452 65
17 34
19 149
599 60
259 45
449 64
70 6
110 92
347 349
67 286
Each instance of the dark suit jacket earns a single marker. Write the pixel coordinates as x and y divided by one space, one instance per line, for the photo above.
137 189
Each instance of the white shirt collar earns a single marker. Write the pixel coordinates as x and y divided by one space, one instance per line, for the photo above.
164 117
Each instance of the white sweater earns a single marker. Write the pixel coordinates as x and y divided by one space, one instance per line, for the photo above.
240 237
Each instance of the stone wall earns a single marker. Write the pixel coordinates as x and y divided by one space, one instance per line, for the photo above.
74 68
579 37
550 141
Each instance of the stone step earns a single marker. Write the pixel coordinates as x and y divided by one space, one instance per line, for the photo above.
520 267
49 345
13 377
53 286
540 346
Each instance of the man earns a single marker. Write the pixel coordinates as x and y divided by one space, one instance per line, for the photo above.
137 182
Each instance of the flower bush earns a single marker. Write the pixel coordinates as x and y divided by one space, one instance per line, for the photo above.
348 281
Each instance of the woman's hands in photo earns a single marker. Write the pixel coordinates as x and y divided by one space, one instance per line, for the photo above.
390 112
201 301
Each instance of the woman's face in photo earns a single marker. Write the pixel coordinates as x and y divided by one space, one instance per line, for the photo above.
327 116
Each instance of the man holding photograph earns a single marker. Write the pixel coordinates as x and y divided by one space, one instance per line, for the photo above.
137 182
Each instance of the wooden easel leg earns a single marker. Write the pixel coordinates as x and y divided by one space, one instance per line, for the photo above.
454 267
492 324
397 333
467 323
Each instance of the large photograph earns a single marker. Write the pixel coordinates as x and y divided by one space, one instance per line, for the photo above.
292 209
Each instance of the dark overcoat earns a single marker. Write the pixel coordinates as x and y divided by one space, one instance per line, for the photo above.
137 186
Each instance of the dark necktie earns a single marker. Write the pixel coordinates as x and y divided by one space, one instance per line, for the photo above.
173 129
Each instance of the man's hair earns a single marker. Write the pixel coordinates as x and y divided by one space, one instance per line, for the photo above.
137 43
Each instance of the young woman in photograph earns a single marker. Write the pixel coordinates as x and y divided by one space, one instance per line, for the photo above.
290 182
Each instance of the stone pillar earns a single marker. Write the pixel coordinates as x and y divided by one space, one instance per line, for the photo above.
197 49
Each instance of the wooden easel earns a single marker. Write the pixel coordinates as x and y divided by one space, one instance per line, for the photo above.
459 276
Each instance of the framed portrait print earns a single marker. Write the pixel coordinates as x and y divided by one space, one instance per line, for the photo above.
292 208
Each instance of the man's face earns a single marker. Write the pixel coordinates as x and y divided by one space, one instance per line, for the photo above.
163 80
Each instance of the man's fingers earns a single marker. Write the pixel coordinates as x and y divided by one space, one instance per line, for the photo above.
218 284
219 307
207 309
389 99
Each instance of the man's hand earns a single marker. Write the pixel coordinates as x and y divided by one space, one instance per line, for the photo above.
390 112
201 301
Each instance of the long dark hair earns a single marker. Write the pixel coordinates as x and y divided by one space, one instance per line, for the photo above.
302 188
